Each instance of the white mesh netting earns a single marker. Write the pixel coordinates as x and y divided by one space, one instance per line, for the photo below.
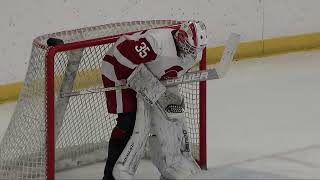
85 124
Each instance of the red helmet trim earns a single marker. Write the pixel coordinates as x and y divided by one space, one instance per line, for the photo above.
194 34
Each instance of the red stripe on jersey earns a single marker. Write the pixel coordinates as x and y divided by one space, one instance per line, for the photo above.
137 52
110 95
107 82
171 72
194 34
121 71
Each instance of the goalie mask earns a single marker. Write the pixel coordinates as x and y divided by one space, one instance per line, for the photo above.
191 38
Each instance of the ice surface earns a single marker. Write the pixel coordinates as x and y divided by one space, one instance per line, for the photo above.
263 122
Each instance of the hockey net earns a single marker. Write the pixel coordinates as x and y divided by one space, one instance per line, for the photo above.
50 132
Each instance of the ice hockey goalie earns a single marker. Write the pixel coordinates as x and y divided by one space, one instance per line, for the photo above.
147 110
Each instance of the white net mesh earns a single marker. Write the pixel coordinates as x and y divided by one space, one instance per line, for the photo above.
85 126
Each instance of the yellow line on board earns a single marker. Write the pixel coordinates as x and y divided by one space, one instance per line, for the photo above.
251 49
10 92
269 47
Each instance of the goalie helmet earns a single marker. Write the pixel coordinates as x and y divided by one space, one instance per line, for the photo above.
191 38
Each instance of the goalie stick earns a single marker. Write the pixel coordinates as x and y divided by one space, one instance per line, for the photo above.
216 73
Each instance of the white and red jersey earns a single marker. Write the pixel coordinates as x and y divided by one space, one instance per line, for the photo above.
156 49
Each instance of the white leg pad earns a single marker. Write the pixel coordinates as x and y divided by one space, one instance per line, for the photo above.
170 149
130 157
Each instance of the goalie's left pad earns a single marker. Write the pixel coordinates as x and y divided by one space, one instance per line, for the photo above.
146 84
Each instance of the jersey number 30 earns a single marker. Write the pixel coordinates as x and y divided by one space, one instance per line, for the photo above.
142 49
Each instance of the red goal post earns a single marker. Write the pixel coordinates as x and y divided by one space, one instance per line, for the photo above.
51 71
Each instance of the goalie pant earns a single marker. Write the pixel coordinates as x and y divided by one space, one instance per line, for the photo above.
169 145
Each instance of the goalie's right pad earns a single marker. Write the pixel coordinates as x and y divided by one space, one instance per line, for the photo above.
146 84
